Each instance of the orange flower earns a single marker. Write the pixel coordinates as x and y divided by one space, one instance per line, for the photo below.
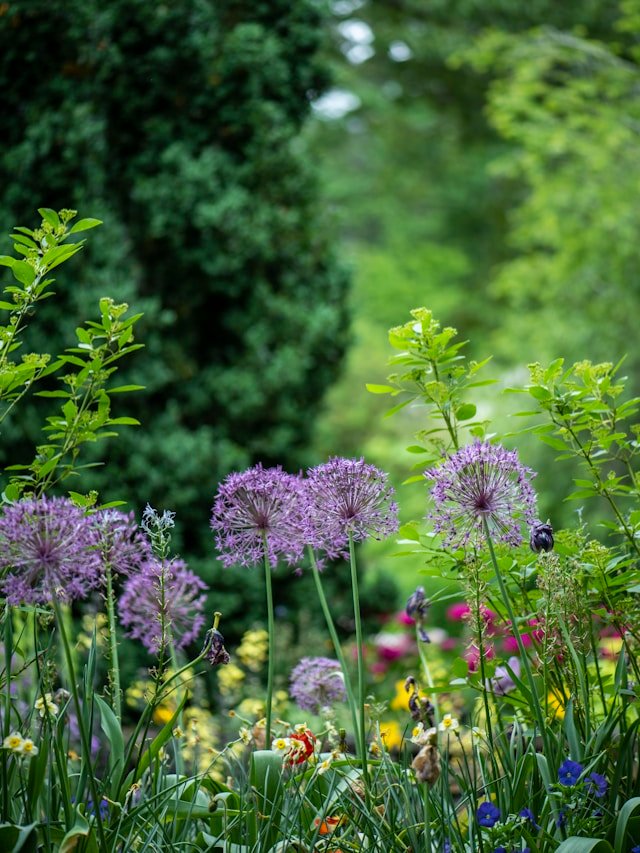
328 825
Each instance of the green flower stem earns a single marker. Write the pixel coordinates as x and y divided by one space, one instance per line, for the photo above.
179 699
270 632
523 653
362 735
8 650
86 746
336 642
114 665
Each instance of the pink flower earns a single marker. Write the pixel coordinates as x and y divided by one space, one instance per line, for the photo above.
458 611
472 656
404 619
510 644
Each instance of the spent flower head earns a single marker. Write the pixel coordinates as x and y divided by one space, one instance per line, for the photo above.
163 603
317 683
481 482
48 547
256 510
417 609
347 498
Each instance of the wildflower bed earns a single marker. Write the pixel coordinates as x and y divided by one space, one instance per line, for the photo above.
526 741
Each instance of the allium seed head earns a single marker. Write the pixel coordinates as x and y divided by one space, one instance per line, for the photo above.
481 482
317 683
163 603
48 547
258 506
347 497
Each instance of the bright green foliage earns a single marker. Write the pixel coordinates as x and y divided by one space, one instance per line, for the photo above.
83 370
178 124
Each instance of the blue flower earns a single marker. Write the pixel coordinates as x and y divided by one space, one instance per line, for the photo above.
500 850
636 849
569 772
446 847
527 814
488 814
561 819
597 784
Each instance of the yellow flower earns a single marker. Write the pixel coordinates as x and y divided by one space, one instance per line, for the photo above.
253 649
245 736
556 703
230 677
162 714
391 734
13 742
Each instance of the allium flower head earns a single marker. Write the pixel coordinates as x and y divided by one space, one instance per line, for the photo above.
48 547
317 683
121 542
481 482
163 603
348 497
257 506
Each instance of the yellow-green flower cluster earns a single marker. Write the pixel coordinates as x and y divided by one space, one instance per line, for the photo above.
253 649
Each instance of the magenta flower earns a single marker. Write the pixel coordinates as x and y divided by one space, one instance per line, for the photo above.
481 482
317 683
257 509
163 603
122 545
48 547
347 498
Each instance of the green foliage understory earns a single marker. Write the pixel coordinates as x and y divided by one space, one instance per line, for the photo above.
528 741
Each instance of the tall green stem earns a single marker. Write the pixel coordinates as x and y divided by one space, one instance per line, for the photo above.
336 642
114 665
270 631
8 651
84 737
516 631
362 735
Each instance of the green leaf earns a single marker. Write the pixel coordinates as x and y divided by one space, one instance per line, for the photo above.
380 389
111 727
18 839
23 272
7 261
628 824
415 448
84 225
584 845
466 411
49 216
125 421
122 388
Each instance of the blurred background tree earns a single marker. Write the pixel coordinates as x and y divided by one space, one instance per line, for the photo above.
179 126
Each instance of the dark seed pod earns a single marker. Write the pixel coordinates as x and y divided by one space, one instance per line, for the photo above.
541 538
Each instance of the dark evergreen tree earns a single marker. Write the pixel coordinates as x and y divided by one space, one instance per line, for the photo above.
179 126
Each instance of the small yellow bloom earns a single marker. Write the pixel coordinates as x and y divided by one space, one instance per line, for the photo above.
556 703
245 736
422 736
449 723
13 742
162 714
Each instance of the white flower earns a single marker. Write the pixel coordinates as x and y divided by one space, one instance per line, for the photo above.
13 742
281 745
478 734
245 736
45 705
28 748
449 723
422 736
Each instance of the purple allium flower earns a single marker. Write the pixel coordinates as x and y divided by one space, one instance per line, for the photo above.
258 505
121 542
502 681
47 548
317 683
163 603
597 785
347 497
487 814
481 482
569 772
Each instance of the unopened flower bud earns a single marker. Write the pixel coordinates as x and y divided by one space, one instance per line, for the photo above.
541 538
